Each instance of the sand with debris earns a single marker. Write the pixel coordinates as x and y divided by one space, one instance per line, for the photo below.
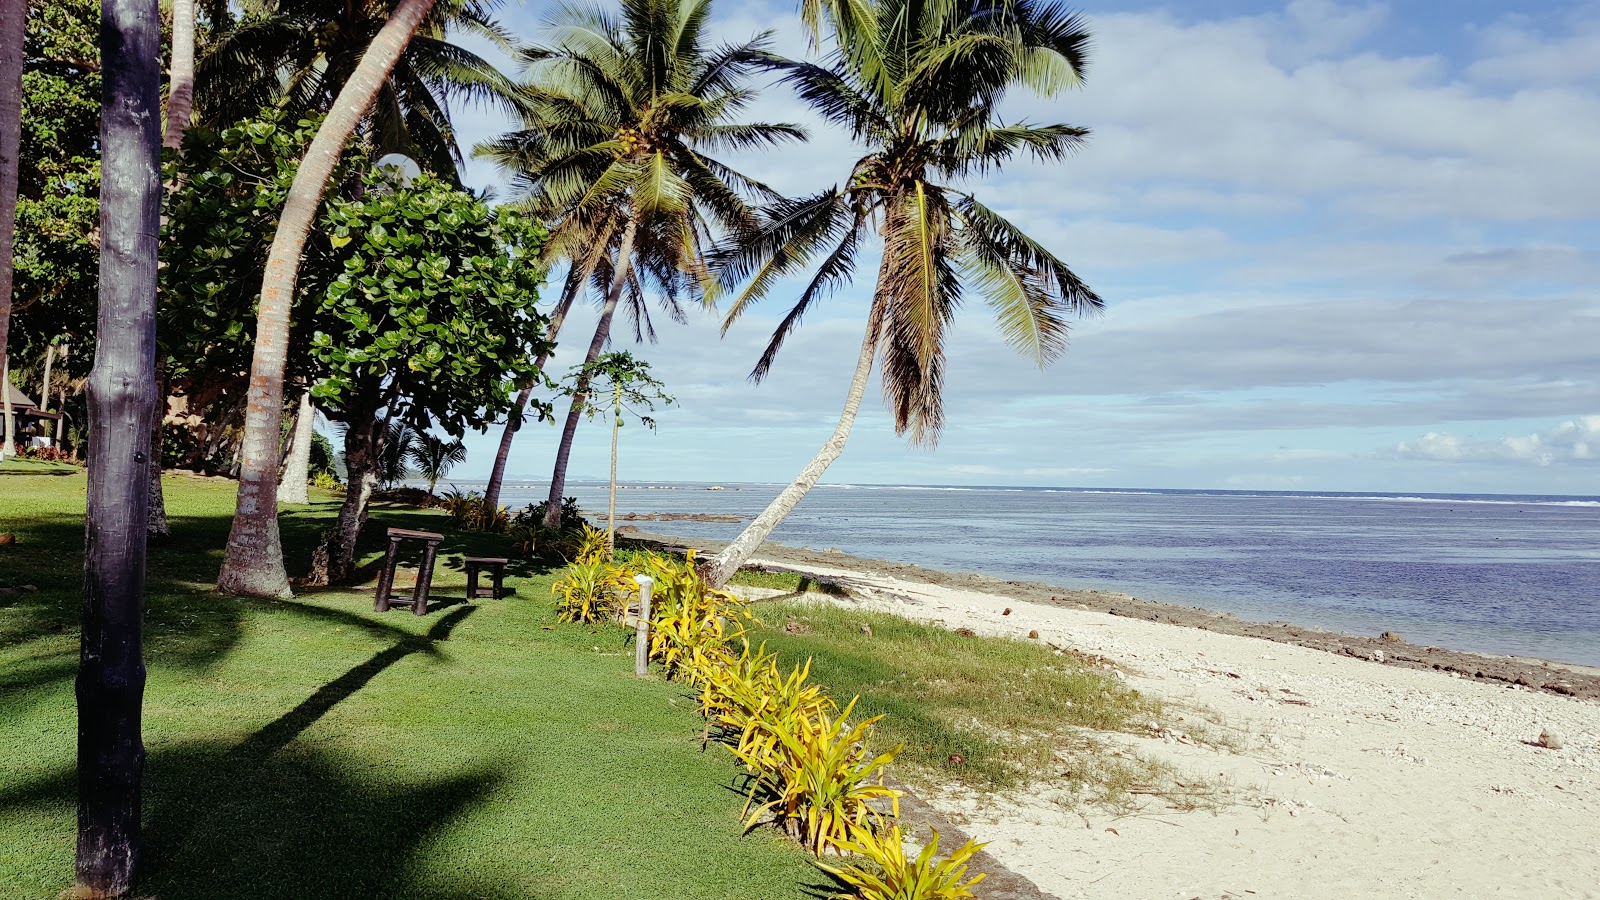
1350 777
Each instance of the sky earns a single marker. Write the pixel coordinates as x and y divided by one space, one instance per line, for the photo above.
1343 247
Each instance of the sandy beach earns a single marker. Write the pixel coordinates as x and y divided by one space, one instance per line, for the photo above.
1347 776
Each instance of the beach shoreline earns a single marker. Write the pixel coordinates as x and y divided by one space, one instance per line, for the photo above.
1338 776
1565 679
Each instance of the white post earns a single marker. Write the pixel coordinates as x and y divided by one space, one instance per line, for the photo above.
641 648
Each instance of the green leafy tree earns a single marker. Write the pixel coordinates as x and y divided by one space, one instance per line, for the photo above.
620 384
428 325
919 83
56 257
621 114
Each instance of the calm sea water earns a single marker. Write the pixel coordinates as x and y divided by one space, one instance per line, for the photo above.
1493 573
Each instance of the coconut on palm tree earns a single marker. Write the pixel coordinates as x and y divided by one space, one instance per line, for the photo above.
620 115
919 83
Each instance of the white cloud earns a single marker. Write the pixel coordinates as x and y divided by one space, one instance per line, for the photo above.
1576 441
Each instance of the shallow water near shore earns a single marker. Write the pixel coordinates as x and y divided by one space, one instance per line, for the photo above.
1516 575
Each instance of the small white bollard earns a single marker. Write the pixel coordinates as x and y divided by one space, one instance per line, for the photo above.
641 648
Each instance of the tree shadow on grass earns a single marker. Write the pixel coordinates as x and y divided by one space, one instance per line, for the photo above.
264 819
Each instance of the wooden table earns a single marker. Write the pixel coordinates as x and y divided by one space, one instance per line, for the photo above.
419 595
497 574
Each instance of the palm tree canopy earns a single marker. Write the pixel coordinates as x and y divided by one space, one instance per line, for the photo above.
919 83
296 54
621 114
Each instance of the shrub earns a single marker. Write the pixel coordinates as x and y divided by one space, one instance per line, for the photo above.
589 590
896 878
690 623
469 512
327 481
533 514
819 779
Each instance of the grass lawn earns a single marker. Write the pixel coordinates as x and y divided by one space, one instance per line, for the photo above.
315 749
18 465
1011 710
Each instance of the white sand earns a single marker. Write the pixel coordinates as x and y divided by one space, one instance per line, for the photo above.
1353 779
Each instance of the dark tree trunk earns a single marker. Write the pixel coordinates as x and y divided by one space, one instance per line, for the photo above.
122 402
13 24
619 281
334 562
254 562
497 475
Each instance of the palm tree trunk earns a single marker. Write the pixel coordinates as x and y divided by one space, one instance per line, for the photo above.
10 415
44 383
577 277
180 75
497 475
254 562
619 280
716 570
122 401
297 467
13 25
611 507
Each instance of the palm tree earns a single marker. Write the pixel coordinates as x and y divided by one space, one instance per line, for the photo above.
435 457
296 54
254 562
122 401
919 83
620 115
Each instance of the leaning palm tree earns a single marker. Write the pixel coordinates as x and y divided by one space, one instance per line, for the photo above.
620 114
919 83
253 565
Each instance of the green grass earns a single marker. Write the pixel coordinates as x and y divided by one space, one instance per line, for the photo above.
1013 710
18 465
794 582
315 749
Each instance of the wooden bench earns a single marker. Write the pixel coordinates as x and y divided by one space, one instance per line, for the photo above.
497 574
419 595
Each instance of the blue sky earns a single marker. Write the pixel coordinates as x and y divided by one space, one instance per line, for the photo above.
1343 247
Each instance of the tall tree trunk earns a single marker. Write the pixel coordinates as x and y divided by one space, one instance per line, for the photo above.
619 280
13 33
254 562
616 430
334 562
156 524
10 414
180 75
577 277
180 104
44 383
719 568
122 400
297 468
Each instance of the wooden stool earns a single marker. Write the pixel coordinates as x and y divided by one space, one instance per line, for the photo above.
497 571
419 595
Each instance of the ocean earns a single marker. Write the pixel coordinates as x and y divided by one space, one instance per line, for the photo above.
1498 574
